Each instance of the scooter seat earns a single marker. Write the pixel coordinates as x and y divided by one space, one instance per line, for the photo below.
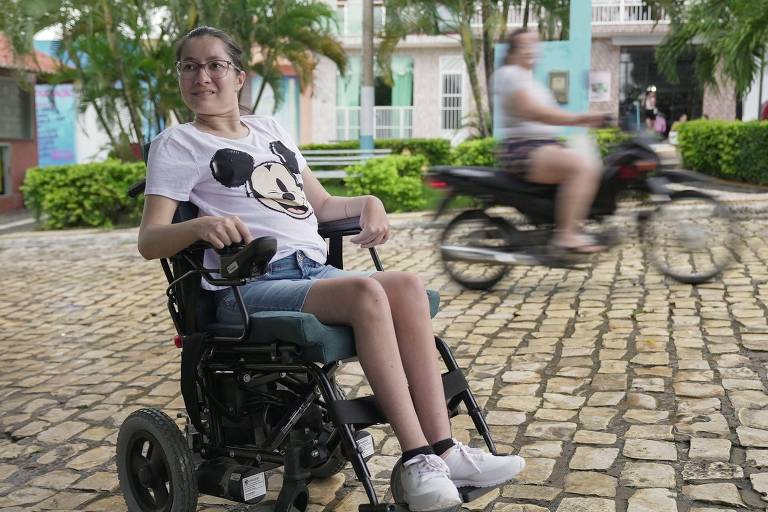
495 178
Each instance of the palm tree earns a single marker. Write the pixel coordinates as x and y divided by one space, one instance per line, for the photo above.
728 36
120 53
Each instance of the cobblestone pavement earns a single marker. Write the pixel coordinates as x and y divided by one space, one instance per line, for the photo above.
623 390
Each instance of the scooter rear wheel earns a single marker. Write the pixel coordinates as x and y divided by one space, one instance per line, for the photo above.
689 238
466 244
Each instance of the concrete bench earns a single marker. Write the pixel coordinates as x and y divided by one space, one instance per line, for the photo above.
330 163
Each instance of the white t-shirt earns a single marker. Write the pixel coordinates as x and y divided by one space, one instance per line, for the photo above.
506 81
257 178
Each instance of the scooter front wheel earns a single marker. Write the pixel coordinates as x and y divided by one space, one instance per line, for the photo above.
472 249
689 238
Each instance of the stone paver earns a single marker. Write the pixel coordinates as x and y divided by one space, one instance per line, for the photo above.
624 390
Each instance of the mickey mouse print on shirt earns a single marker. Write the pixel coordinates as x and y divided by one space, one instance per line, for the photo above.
274 183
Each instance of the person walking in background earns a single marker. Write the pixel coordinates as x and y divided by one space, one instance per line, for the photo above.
650 107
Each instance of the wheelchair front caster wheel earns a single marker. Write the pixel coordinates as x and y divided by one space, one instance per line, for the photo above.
154 464
398 495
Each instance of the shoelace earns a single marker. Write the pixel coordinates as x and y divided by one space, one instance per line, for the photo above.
428 466
470 454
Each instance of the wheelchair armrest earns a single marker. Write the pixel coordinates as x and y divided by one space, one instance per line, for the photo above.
340 227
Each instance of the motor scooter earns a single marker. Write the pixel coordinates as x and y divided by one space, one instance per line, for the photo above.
686 233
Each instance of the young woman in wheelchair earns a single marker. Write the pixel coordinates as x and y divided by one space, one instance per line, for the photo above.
530 149
248 179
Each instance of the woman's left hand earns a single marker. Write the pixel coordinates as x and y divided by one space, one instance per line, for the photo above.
374 224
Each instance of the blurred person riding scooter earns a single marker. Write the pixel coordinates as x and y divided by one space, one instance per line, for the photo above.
529 120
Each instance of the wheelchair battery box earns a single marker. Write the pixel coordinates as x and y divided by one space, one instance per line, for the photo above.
239 262
225 478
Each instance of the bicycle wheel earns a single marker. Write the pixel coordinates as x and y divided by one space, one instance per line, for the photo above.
690 238
467 248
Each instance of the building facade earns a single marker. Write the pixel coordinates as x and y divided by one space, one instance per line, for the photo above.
18 135
431 95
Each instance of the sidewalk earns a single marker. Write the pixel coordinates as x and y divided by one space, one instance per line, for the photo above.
17 220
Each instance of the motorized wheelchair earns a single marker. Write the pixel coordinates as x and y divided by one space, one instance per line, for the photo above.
260 395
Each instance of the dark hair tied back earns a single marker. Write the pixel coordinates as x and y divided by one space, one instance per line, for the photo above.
233 50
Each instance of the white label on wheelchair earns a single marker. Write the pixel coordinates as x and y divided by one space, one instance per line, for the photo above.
365 445
254 486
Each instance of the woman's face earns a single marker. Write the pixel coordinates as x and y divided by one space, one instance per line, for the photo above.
527 50
201 93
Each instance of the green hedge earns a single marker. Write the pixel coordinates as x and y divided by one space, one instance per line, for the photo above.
475 152
728 149
480 152
436 151
84 194
396 180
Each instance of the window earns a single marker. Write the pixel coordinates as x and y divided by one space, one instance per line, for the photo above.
451 92
5 172
15 110
350 16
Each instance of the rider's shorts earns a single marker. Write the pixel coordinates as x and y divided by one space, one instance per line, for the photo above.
513 153
284 287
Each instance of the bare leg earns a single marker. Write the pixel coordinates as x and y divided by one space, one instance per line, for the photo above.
578 182
413 328
361 303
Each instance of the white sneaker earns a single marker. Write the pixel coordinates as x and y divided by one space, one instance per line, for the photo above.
427 484
478 468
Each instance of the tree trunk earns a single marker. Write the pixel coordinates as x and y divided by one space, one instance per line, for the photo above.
504 19
487 51
267 67
470 60
526 14
120 67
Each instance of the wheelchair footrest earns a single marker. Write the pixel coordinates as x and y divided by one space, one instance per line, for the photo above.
382 507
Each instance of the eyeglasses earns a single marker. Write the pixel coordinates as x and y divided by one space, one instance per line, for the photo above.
213 68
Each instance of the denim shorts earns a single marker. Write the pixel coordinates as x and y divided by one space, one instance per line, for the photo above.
283 287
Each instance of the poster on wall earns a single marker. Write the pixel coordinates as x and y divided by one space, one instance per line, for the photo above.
599 86
56 117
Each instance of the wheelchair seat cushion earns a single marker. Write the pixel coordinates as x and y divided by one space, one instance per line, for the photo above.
317 342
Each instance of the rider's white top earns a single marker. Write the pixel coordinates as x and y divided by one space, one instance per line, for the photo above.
256 178
505 82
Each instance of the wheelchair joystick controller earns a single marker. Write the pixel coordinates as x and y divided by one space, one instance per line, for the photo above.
241 262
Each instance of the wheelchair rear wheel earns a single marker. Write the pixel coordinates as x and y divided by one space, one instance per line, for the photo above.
154 464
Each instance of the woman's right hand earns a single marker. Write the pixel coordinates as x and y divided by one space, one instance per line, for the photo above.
593 120
222 231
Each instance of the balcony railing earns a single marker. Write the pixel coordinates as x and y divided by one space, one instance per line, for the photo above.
604 12
623 12
388 123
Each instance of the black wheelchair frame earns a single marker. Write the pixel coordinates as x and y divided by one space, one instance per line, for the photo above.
308 426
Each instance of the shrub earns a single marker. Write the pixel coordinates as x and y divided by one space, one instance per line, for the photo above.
396 180
475 152
84 194
608 137
727 149
436 151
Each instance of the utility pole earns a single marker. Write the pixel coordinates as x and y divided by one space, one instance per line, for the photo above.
366 91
